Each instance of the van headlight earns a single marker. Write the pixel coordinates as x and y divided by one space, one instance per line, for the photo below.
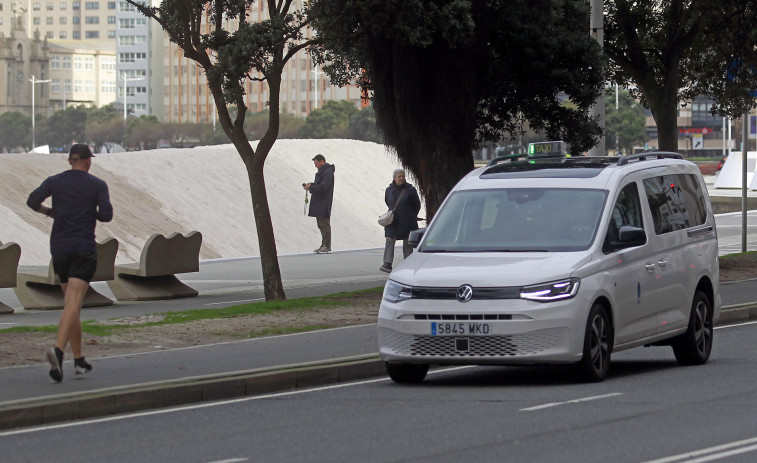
397 292
552 291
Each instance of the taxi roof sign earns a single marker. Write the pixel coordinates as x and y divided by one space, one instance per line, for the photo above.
547 149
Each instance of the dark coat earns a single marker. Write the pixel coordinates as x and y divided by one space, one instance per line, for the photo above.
406 213
322 192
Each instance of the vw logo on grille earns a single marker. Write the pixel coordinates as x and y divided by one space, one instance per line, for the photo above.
464 293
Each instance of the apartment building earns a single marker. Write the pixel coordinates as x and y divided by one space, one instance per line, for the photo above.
83 72
304 87
61 19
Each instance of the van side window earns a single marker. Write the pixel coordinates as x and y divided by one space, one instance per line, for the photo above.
676 202
625 211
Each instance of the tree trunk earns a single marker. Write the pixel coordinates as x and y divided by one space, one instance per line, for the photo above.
665 113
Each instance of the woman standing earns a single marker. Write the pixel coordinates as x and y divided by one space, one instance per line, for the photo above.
405 217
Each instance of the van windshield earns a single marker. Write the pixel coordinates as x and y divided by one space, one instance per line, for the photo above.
516 220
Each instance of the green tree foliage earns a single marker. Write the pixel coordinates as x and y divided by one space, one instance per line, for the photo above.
104 127
626 124
667 53
330 121
449 75
15 132
363 126
257 50
144 133
63 128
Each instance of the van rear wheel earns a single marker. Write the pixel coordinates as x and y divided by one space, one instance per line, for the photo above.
406 372
595 363
694 346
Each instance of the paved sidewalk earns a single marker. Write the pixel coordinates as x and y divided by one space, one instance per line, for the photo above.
233 369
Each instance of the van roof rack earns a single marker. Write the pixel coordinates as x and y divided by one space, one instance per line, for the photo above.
649 154
509 157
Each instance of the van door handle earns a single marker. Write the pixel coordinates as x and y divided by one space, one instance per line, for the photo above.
662 262
650 267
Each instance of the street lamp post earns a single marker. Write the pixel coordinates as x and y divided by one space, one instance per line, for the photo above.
316 72
127 79
34 81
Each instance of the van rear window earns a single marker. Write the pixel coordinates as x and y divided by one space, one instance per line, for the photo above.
676 202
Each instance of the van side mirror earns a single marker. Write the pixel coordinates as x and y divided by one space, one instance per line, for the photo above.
629 236
415 237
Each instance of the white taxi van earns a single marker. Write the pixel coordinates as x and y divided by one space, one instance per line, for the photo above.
557 259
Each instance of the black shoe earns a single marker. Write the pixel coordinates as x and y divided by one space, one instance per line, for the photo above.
55 357
387 267
81 366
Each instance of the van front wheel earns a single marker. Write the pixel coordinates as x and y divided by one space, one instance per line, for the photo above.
595 363
694 346
406 372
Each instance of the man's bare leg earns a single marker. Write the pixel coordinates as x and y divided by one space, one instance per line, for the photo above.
69 328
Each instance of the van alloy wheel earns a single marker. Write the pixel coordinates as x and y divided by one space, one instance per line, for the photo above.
597 346
695 345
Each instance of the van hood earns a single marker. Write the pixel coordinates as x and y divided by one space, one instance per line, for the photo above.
487 269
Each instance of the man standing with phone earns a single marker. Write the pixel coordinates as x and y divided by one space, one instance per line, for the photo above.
79 199
322 195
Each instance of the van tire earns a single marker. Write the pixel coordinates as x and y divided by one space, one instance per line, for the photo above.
595 363
406 372
694 346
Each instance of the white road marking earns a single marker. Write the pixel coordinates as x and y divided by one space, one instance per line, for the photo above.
230 460
717 452
207 405
574 401
735 325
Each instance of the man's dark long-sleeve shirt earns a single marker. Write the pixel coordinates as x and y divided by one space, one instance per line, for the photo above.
79 200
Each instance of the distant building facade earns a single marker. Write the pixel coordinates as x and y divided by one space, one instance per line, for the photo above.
62 19
82 73
21 60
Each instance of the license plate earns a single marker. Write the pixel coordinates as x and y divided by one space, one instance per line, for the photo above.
460 328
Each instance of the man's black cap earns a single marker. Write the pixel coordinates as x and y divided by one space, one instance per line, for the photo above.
81 150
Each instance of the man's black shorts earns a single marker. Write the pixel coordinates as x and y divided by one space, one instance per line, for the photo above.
79 265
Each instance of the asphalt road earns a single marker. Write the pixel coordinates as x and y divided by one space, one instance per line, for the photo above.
648 410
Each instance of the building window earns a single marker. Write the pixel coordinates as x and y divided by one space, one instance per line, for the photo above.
76 20
62 34
89 62
67 86
37 21
89 86
55 62
50 34
92 5
78 86
92 19
76 6
78 60
76 35
108 86
92 34
62 6
36 6
50 20
62 20
66 62
111 5
55 86
111 19
111 34
49 6
127 40
108 64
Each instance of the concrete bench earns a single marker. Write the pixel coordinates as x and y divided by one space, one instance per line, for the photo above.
10 253
153 277
42 291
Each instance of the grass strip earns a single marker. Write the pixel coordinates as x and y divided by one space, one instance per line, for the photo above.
95 328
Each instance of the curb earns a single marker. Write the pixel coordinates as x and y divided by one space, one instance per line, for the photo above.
183 391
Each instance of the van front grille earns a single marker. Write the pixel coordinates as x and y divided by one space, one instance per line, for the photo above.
477 346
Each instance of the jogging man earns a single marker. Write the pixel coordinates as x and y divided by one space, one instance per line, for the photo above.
79 199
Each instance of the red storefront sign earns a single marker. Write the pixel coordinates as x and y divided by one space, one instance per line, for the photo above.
689 130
